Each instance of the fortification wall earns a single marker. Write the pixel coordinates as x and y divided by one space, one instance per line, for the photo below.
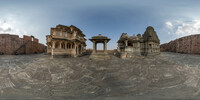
189 44
12 44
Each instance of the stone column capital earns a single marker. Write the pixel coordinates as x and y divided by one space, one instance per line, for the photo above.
93 41
105 41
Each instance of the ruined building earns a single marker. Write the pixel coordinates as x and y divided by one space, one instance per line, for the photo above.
12 44
188 44
146 44
64 40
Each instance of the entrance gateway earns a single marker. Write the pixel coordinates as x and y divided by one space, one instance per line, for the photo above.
99 55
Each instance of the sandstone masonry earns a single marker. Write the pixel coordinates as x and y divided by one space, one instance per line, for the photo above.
12 44
146 44
66 40
188 44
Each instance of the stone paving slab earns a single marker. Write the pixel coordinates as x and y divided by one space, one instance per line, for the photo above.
165 76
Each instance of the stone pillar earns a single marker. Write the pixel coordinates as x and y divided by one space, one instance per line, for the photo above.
52 52
126 43
81 48
53 44
94 47
118 48
75 48
65 45
71 45
105 46
78 49
60 45
146 48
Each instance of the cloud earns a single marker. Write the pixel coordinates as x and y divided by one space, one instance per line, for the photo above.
8 28
188 28
5 27
182 27
169 27
168 24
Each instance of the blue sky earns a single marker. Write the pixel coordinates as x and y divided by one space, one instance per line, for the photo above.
171 19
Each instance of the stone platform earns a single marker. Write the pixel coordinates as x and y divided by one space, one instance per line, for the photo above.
99 56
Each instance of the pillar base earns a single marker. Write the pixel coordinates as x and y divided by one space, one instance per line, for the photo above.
99 56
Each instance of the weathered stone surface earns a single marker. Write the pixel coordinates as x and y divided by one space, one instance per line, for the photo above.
12 44
131 46
166 76
189 44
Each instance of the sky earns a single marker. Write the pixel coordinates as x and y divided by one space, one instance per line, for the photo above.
171 19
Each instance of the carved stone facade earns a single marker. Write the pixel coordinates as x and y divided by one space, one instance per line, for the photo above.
13 44
146 44
64 40
188 44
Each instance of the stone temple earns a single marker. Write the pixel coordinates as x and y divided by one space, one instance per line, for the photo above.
64 40
146 44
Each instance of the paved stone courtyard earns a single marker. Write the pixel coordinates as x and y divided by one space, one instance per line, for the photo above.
166 76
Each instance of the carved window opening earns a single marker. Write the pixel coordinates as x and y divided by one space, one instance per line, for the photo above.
72 45
130 44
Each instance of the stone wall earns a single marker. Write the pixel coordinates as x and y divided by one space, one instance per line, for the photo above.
9 43
12 44
31 47
189 44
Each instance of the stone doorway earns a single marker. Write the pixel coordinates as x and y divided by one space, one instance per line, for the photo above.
79 49
100 47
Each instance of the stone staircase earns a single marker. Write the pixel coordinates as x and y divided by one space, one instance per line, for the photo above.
20 49
99 56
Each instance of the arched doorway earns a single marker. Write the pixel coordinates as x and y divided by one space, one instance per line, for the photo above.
63 45
79 49
57 44
72 45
